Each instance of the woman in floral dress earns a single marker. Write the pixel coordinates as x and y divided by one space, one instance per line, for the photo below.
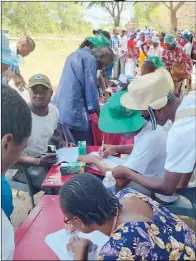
177 62
138 228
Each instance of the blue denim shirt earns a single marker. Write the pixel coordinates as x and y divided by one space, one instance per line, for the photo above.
6 197
77 93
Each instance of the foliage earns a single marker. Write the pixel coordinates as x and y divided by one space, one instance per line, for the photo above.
155 14
144 11
39 18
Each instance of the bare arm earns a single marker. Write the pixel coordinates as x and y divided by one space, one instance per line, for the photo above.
165 186
124 149
142 47
58 139
29 160
101 83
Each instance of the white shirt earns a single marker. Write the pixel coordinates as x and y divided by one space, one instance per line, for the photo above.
13 48
188 48
149 152
123 45
155 51
42 130
7 238
181 149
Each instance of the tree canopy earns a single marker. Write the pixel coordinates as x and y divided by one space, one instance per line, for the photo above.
40 18
163 15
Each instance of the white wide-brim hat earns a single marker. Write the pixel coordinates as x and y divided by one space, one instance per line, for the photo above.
149 90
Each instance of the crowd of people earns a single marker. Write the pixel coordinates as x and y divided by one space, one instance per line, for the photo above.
150 108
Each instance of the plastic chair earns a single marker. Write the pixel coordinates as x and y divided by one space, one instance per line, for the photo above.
21 186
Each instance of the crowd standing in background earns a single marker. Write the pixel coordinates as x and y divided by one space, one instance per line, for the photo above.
175 50
156 106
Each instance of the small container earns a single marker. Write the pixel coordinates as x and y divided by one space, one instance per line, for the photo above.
109 182
82 148
73 168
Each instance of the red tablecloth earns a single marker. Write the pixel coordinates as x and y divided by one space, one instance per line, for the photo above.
113 139
54 179
44 219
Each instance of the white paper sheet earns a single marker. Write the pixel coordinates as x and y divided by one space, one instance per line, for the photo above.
67 155
122 78
57 242
111 161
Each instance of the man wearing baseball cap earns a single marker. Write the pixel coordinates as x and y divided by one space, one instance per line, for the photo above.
44 128
151 94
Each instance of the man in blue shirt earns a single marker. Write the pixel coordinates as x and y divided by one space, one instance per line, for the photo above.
77 93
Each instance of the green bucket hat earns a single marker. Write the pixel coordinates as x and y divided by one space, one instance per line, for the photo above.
114 118
156 60
99 40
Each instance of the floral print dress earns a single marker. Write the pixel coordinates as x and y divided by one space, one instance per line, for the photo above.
175 56
165 238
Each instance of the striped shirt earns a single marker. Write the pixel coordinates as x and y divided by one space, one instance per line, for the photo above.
114 43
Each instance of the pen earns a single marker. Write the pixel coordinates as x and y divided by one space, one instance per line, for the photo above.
102 145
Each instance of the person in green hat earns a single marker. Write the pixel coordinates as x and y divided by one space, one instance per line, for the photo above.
102 38
148 153
96 41
151 64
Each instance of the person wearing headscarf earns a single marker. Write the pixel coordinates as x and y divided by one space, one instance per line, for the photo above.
100 39
155 48
177 62
95 41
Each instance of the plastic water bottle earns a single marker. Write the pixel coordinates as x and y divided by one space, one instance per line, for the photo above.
109 182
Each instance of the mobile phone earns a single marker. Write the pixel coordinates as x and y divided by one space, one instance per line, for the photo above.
51 148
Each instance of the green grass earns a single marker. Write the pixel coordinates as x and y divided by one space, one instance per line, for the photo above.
48 58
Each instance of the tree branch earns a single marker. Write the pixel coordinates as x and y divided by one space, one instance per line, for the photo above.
165 4
107 7
178 6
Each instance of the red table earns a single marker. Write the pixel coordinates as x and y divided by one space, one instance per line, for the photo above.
54 179
29 238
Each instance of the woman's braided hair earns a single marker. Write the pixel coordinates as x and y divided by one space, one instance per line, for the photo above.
85 197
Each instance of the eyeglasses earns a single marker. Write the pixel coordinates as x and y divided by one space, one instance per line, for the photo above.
67 220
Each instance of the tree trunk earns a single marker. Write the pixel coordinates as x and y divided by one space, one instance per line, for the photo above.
173 19
116 21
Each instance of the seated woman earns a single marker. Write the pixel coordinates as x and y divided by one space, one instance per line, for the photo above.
138 227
